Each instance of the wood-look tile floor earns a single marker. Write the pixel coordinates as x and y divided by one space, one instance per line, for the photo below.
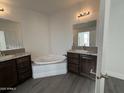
114 85
69 83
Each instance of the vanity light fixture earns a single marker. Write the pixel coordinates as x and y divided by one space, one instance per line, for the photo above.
84 13
1 9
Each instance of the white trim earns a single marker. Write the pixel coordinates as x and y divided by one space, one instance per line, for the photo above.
103 24
116 75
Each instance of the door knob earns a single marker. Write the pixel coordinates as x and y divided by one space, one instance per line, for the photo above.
103 76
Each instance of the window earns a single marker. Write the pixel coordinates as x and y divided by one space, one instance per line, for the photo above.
83 38
2 41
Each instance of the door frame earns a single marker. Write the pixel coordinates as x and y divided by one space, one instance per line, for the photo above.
102 26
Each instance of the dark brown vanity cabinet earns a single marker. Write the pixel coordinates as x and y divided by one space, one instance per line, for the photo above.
15 71
8 76
73 62
82 64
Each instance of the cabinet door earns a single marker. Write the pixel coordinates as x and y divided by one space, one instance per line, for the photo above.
73 62
88 65
93 68
24 68
8 75
73 68
85 67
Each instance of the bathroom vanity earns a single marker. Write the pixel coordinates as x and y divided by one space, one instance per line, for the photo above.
82 63
15 70
82 59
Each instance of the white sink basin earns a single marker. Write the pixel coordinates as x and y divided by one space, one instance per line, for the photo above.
3 58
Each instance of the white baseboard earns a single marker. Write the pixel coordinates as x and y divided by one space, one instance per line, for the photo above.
116 75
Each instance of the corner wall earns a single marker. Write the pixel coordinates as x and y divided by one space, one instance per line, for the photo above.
61 25
53 34
34 27
113 51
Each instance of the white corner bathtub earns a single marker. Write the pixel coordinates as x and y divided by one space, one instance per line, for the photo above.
50 65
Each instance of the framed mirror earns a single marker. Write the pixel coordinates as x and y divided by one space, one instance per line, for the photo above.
10 35
84 34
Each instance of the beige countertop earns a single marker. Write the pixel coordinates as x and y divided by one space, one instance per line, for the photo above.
83 52
14 56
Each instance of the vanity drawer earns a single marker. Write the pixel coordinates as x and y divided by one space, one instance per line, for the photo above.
23 60
88 57
73 55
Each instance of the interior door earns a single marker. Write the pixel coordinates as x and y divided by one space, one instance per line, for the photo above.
111 46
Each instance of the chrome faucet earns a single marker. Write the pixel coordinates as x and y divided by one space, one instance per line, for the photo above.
84 47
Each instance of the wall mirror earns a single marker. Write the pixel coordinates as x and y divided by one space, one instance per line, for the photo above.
10 35
84 34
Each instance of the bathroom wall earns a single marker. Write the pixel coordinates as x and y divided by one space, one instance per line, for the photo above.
43 34
34 27
61 25
113 50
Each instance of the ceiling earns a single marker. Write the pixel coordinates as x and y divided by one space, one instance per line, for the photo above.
46 6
